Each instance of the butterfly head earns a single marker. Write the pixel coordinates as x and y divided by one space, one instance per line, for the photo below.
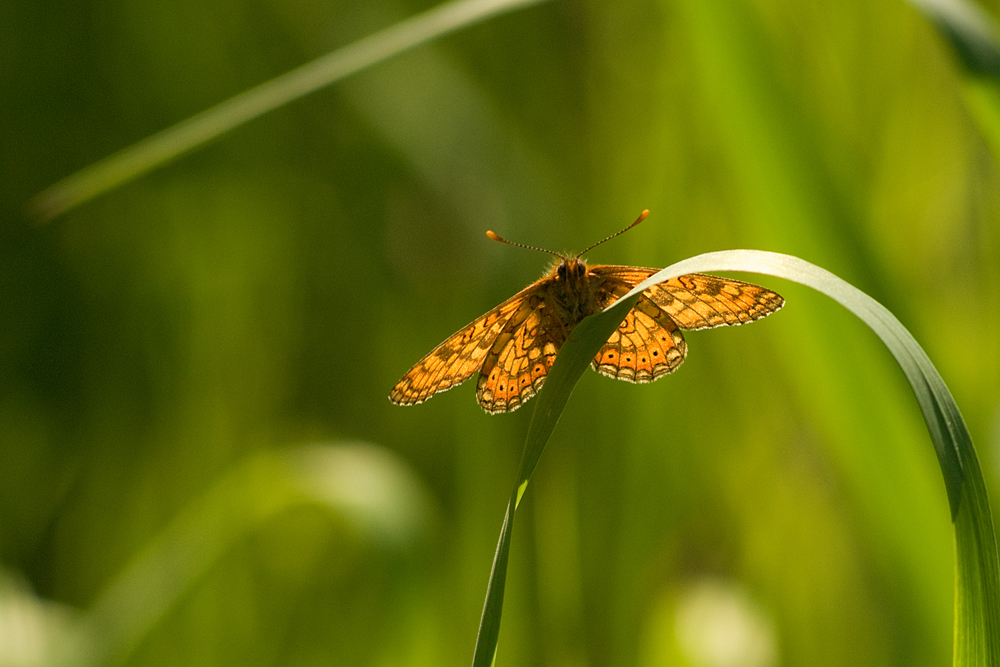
571 268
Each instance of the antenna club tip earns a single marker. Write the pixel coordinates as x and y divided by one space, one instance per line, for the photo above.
490 234
645 212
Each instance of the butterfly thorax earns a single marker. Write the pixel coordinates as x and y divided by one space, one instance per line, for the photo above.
571 290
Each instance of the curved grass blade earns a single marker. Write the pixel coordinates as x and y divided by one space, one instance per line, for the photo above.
977 594
974 35
166 145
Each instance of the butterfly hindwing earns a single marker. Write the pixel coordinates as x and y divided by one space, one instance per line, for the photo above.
520 358
647 345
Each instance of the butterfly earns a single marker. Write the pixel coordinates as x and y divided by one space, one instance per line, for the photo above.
513 346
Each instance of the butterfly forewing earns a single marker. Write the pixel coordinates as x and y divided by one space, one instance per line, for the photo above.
699 301
520 358
459 357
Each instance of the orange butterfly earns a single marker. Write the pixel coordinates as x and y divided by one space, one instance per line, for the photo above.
514 345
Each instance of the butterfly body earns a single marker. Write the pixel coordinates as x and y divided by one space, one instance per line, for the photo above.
513 346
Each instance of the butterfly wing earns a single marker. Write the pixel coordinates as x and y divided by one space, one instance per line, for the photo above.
699 301
462 354
515 344
520 357
648 344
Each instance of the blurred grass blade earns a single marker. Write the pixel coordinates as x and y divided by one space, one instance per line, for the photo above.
971 32
164 146
974 36
977 594
364 484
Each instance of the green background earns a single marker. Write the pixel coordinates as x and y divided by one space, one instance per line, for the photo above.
265 293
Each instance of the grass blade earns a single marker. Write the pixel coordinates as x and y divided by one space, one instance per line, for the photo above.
970 31
973 35
573 359
977 594
162 147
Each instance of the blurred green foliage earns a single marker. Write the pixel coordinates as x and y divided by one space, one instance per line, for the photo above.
265 293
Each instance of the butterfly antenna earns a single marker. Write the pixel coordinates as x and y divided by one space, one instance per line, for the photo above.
496 237
642 216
